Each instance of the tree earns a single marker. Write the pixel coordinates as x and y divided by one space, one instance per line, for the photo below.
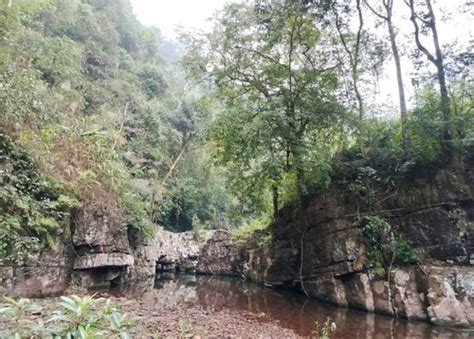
426 22
388 18
275 72
352 48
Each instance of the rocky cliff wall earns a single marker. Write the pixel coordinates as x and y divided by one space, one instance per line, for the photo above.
318 250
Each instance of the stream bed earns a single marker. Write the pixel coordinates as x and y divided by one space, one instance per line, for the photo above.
289 309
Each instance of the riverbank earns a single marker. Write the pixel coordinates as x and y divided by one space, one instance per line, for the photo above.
199 306
174 321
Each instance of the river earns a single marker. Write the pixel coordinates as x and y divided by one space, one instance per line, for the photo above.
290 309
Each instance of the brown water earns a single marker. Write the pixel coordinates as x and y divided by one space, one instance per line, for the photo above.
291 309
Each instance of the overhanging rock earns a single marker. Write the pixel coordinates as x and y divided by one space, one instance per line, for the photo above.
103 260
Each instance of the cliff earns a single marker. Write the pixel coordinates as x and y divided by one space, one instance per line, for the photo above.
322 249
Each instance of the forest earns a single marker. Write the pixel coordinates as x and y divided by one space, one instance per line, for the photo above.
227 127
100 109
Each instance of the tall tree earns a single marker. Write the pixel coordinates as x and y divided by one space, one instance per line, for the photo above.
426 22
387 16
276 76
352 47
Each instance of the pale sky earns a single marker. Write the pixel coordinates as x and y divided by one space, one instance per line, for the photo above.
168 14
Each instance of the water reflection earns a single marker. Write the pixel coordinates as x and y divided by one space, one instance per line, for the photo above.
292 310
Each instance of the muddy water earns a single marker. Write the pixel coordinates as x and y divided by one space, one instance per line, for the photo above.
290 309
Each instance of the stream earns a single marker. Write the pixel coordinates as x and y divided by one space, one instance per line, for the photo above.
290 309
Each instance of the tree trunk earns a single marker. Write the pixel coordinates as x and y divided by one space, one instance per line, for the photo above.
445 106
388 5
275 201
436 60
401 89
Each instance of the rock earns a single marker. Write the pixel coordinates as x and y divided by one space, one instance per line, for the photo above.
103 260
382 300
450 296
436 234
220 255
328 289
168 251
142 186
46 273
358 292
407 301
97 228
99 277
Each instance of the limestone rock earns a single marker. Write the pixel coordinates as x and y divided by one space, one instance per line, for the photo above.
328 289
103 260
358 292
220 255
408 302
450 296
44 274
97 228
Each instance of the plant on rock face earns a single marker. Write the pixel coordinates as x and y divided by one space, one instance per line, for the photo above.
384 247
405 252
264 240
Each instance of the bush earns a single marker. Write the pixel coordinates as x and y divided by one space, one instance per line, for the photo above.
260 223
137 223
32 209
73 317
383 248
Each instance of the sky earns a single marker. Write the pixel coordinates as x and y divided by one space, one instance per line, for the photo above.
169 14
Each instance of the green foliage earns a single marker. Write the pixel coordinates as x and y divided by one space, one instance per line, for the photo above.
75 317
17 309
324 331
383 248
278 92
405 252
185 330
264 240
257 224
138 224
32 211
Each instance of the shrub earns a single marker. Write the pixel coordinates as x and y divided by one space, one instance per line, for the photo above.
73 317
32 208
383 248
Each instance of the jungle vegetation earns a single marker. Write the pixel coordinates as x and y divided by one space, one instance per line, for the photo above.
222 128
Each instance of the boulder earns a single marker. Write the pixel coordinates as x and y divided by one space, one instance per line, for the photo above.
329 289
46 273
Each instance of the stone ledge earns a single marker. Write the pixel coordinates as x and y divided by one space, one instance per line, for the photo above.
103 260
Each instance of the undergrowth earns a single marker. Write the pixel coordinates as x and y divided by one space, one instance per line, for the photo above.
72 317
261 223
384 247
33 209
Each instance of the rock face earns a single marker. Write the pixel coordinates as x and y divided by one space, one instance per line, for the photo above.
44 274
103 252
220 255
168 251
103 260
320 250
97 229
